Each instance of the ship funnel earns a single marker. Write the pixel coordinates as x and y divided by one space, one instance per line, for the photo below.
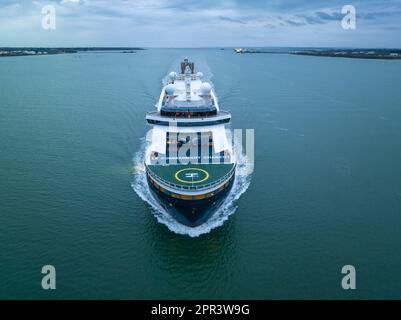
186 64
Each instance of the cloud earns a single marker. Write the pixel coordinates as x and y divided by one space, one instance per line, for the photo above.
295 23
325 16
380 15
206 22
233 20
318 17
311 19
269 26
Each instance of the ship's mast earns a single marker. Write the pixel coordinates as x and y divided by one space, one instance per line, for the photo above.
188 83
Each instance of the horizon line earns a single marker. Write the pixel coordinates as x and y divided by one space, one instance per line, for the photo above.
201 47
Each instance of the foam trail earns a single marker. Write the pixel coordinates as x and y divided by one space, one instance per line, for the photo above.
140 186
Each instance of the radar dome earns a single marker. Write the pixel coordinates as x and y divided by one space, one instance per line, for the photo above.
173 75
170 89
200 75
206 88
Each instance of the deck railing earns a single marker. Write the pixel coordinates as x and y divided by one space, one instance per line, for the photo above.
193 187
220 114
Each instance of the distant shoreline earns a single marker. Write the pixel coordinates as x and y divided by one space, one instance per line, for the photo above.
36 51
383 54
355 53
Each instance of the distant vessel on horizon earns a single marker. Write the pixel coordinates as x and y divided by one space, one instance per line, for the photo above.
190 164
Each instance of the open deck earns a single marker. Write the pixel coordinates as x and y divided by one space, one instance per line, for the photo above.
155 118
192 176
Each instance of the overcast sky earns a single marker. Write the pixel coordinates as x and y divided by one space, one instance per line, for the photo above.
198 23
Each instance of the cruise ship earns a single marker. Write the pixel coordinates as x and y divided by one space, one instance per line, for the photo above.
190 164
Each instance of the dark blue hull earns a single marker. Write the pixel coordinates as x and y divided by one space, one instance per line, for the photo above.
191 213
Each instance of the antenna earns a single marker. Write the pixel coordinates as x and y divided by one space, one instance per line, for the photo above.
188 82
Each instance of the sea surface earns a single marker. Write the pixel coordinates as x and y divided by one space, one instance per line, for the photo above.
325 191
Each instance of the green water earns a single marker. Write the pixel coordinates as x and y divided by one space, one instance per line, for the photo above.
326 190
